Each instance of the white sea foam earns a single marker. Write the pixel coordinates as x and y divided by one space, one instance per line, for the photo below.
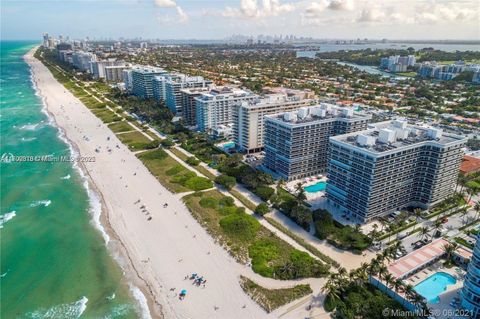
5 273
6 217
45 203
119 311
70 310
65 177
142 301
94 200
30 127
28 139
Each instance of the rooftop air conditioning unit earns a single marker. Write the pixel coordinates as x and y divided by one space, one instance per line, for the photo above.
302 112
365 140
386 136
290 117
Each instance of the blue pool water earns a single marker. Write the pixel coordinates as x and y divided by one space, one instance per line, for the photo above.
227 146
320 186
434 285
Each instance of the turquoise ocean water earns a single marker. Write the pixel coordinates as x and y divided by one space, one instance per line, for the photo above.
54 261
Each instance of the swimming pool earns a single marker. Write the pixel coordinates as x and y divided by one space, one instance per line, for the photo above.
227 146
434 285
317 187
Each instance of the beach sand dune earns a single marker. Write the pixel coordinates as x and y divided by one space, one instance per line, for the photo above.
159 253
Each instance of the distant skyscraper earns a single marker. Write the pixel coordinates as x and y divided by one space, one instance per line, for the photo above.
471 287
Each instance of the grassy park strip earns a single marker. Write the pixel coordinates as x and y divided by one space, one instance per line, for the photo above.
302 242
171 174
120 127
271 299
246 239
137 141
245 201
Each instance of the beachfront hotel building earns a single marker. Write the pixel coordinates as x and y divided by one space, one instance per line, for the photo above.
248 118
390 167
297 143
142 80
215 107
470 294
189 104
167 88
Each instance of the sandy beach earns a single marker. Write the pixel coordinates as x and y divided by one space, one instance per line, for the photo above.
157 254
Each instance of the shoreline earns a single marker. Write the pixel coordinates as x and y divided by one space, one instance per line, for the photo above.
157 253
116 248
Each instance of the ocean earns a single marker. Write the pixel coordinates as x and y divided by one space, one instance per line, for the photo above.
54 258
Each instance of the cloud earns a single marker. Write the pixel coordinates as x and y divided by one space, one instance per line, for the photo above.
340 5
182 16
370 15
255 9
165 3
428 14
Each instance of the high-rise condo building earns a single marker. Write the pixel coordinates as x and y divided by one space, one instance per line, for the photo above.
115 73
97 68
82 60
297 143
471 287
168 86
142 80
391 167
189 104
127 79
248 118
215 107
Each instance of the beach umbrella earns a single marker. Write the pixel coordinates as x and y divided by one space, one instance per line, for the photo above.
183 292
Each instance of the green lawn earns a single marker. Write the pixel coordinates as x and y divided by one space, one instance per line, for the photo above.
271 299
246 239
122 126
172 174
106 115
344 237
136 141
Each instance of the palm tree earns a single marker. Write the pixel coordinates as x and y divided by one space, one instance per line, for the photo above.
461 180
281 182
464 213
417 212
437 225
476 208
300 192
449 250
389 280
424 233
397 285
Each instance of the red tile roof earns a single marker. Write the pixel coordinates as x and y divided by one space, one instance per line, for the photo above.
470 165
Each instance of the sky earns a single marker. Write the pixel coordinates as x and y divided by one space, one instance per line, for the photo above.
218 19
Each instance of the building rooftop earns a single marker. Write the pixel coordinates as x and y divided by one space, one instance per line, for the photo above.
409 264
223 92
470 165
317 113
148 69
391 135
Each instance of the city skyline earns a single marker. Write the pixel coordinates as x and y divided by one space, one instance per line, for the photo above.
170 19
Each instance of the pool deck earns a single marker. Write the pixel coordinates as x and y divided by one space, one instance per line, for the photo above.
312 198
447 296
